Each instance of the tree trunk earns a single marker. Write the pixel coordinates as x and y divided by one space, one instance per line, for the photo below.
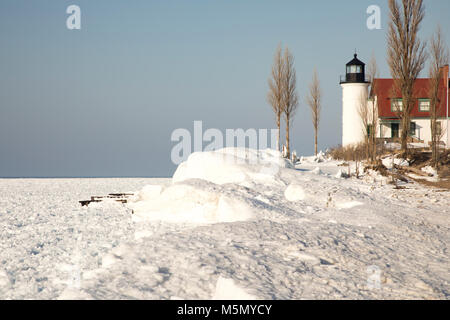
433 142
404 135
374 146
279 128
288 151
368 147
315 142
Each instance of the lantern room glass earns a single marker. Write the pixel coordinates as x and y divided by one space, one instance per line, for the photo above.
354 69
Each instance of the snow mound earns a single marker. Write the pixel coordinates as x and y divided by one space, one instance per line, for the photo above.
232 165
294 192
319 158
148 192
201 193
372 176
430 170
226 289
317 171
182 203
348 205
387 162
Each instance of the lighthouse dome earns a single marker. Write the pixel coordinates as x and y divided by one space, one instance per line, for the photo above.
355 71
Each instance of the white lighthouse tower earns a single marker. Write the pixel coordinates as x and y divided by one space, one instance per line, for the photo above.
354 92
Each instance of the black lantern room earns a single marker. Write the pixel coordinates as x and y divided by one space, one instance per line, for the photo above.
355 71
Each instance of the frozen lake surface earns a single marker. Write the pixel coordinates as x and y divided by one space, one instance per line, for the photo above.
47 238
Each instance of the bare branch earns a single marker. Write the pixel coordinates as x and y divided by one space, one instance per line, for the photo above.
313 100
290 96
439 57
275 94
406 54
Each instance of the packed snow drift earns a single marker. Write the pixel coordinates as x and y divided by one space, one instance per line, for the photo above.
232 223
204 190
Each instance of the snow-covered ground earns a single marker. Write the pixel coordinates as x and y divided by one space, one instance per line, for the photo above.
231 224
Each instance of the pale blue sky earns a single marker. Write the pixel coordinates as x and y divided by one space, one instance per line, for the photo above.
104 100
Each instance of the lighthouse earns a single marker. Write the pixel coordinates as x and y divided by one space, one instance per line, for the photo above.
354 93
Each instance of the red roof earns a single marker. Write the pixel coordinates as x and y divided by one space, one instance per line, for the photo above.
386 92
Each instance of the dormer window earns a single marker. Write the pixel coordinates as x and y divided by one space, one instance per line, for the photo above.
397 105
424 105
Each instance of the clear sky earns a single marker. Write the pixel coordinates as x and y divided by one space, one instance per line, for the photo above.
104 100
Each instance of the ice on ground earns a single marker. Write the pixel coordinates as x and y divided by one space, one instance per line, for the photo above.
348 205
387 162
226 289
74 294
319 158
4 280
147 193
372 176
294 192
430 170
108 260
182 203
339 174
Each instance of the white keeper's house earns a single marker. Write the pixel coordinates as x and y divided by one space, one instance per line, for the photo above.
355 84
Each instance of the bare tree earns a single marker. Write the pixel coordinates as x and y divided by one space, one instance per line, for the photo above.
406 55
290 97
275 95
314 102
439 58
364 115
372 71
368 112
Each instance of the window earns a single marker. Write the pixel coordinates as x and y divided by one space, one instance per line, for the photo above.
354 69
438 128
412 128
396 105
394 130
424 105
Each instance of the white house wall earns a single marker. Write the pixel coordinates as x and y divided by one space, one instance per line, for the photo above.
446 138
423 130
384 132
